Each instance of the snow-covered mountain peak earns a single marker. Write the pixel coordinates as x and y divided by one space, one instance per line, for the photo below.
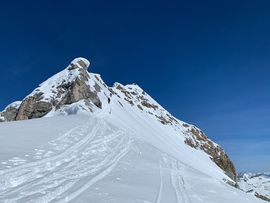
67 87
121 122
51 88
75 90
79 62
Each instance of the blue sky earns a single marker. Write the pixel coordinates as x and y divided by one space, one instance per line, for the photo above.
207 62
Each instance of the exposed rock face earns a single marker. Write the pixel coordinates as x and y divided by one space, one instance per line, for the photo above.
197 139
69 86
10 112
79 89
194 136
33 107
262 197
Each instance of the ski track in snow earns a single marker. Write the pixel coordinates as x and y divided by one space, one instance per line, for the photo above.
67 168
74 162
177 180
79 164
159 194
170 169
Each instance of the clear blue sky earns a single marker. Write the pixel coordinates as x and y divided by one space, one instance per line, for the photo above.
207 62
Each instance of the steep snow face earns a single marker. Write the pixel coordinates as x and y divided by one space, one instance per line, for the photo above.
257 184
140 101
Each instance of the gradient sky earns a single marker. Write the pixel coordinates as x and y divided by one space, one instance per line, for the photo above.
207 62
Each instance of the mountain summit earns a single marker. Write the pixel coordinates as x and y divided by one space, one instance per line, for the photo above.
58 94
190 166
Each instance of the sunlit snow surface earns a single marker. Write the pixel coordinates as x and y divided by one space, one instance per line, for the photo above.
115 155
255 183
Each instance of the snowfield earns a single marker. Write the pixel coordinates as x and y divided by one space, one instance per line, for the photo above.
92 159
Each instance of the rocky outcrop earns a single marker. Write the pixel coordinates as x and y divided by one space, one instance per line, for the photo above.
78 90
198 140
33 107
67 87
262 197
194 137
10 112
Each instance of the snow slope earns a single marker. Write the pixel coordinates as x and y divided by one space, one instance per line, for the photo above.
99 158
117 145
